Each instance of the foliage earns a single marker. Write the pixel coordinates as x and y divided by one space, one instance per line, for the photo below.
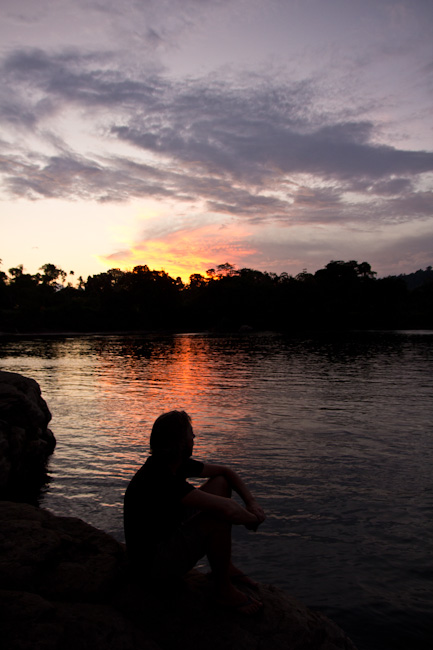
341 295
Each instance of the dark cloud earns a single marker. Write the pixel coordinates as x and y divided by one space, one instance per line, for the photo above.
73 177
234 145
88 81
246 204
392 187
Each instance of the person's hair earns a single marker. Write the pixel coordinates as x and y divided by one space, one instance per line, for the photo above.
169 434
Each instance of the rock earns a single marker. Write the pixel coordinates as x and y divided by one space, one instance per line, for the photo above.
25 440
66 585
57 557
33 623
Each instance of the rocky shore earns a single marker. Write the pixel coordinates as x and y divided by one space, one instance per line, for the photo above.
26 442
64 584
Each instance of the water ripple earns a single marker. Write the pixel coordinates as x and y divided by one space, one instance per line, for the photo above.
334 435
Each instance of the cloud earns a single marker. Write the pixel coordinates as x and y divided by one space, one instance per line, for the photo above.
144 26
75 177
248 147
85 80
392 187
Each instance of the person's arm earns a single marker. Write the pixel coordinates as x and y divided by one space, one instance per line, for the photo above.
238 485
221 507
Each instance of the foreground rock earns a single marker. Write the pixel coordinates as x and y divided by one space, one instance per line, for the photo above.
25 440
65 585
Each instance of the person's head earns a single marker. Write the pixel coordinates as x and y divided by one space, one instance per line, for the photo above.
172 436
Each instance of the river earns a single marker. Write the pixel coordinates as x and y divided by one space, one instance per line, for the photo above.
334 434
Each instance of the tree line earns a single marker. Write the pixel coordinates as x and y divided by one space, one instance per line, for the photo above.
342 295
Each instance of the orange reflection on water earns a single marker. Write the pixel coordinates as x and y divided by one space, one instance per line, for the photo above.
136 383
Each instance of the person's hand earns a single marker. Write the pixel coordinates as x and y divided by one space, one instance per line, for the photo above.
253 507
256 510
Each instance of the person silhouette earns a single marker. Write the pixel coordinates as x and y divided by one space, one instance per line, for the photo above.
170 524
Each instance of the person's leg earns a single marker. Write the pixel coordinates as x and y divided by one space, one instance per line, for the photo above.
217 535
218 485
203 534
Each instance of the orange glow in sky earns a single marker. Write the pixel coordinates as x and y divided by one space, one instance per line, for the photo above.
185 252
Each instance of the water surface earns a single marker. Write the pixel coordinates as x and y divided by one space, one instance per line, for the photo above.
334 434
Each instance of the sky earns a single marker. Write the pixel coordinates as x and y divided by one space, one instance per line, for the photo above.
276 135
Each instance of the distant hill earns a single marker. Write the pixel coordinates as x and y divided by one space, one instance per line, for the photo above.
418 278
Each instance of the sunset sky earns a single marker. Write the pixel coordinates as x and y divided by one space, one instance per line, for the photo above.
271 134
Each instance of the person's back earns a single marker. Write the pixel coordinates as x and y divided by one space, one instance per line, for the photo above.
170 524
153 509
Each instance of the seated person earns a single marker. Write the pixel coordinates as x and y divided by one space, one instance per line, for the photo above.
170 524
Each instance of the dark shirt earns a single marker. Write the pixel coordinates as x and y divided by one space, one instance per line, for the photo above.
152 506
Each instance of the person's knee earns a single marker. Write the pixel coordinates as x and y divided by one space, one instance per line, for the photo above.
218 485
211 525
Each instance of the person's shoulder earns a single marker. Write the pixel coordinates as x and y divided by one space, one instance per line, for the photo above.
194 461
143 471
139 481
194 467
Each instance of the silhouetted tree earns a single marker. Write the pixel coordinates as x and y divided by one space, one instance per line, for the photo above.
51 275
196 281
418 278
341 295
224 270
17 271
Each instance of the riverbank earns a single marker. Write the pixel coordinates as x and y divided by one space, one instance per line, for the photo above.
66 584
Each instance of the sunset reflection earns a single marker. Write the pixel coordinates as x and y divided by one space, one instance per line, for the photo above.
136 383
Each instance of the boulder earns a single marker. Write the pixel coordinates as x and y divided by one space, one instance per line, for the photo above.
26 442
65 584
